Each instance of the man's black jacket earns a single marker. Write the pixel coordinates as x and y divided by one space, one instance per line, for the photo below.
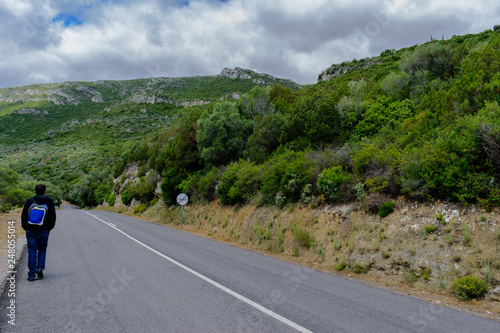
50 219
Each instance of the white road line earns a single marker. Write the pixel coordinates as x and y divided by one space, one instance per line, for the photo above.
212 282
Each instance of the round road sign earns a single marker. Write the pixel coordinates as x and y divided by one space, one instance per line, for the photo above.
182 199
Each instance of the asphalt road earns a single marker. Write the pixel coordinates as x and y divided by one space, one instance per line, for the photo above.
111 273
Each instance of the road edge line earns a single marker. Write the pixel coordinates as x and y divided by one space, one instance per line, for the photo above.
212 282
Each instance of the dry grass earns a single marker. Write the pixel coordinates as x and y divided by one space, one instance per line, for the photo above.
392 253
14 215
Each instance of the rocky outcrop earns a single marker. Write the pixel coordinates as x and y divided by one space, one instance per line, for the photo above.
237 73
149 99
494 294
341 69
257 78
193 103
327 76
30 111
59 94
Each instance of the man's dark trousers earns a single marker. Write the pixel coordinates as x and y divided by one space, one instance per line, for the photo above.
37 250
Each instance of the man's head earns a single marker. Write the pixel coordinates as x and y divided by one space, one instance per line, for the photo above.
40 189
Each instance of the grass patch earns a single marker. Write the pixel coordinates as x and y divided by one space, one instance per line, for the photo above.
259 234
410 277
430 229
302 237
426 274
467 233
340 265
359 268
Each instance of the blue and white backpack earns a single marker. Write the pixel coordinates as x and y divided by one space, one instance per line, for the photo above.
36 213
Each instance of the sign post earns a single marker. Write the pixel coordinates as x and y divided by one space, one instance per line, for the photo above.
182 199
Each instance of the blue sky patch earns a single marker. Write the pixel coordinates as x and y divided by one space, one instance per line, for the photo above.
67 20
185 3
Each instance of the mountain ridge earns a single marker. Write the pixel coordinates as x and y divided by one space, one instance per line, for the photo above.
143 90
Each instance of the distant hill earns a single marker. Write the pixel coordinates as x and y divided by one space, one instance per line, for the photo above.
183 91
35 111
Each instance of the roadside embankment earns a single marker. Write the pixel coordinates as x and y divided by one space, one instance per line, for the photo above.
419 249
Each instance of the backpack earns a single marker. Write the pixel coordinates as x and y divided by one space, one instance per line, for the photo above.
36 213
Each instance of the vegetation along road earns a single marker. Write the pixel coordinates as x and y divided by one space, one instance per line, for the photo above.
112 273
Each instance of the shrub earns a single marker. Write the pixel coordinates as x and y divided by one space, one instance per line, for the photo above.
360 192
101 193
8 179
377 184
330 181
288 172
280 199
395 83
140 209
433 58
468 287
359 268
386 209
126 197
440 218
111 199
4 205
17 196
426 274
207 183
239 183
144 191
430 229
308 194
374 203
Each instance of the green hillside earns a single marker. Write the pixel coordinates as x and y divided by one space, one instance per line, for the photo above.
421 122
72 133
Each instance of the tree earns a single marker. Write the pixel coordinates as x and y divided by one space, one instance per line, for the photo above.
265 137
184 145
351 106
222 134
256 102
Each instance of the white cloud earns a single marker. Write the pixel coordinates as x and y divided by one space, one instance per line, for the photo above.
295 39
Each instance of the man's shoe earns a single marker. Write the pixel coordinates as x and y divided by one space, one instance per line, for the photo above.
31 278
39 273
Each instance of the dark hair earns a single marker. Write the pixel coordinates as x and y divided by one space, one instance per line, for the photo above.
40 189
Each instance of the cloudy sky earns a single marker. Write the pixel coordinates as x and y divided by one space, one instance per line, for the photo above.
44 41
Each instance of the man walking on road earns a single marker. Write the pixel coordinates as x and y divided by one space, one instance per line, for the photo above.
38 218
